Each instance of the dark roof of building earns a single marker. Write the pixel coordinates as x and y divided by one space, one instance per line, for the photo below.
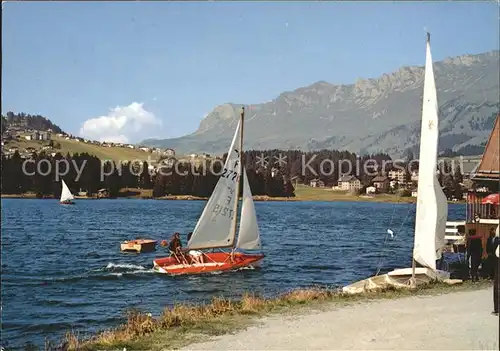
489 168
379 179
347 178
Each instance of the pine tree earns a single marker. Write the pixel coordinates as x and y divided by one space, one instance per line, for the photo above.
457 183
288 189
145 178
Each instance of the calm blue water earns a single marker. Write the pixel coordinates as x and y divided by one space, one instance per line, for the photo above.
62 267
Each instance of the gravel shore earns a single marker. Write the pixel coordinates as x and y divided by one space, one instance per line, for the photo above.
453 321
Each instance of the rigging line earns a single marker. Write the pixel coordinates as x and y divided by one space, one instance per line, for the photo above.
379 265
387 235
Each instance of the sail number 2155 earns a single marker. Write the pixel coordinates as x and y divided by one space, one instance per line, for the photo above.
223 211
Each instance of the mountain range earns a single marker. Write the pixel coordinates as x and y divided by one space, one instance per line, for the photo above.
369 116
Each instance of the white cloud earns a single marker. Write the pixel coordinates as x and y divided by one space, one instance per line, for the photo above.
122 124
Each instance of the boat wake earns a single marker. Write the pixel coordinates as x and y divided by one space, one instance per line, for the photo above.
123 266
119 269
246 268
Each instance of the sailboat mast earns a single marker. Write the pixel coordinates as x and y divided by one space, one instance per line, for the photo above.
413 262
240 167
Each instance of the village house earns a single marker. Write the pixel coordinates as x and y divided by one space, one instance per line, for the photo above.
102 193
381 183
349 183
170 152
44 136
398 175
371 190
414 192
316 183
7 136
275 172
414 176
83 193
145 149
28 137
168 162
469 166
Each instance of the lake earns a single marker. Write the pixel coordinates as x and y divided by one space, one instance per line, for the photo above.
62 267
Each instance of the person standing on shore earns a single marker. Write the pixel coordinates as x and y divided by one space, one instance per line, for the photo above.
490 250
496 281
474 254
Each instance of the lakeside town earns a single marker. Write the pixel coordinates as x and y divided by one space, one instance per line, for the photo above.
391 183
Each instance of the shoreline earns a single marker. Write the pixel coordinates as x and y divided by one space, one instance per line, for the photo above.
187 324
382 198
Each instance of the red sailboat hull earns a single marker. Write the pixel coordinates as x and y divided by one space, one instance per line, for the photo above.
212 262
66 202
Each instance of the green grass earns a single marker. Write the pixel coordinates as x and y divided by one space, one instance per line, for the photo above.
104 153
307 193
185 324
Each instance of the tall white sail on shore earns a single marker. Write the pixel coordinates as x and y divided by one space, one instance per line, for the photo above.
432 206
214 228
248 236
65 193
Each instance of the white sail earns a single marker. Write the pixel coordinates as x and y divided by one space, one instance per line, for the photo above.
432 206
215 226
65 193
249 236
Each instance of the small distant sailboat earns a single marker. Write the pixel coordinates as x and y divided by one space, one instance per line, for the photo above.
432 206
217 225
66 195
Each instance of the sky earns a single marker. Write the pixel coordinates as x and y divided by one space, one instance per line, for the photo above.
126 71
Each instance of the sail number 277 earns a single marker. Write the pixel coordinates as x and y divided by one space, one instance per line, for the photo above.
229 174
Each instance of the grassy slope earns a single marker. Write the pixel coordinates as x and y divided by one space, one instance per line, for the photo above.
103 153
72 146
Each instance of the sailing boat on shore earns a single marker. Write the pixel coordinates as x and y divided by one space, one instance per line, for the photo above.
432 206
66 195
217 226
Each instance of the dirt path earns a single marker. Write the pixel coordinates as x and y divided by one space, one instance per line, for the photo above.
454 321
